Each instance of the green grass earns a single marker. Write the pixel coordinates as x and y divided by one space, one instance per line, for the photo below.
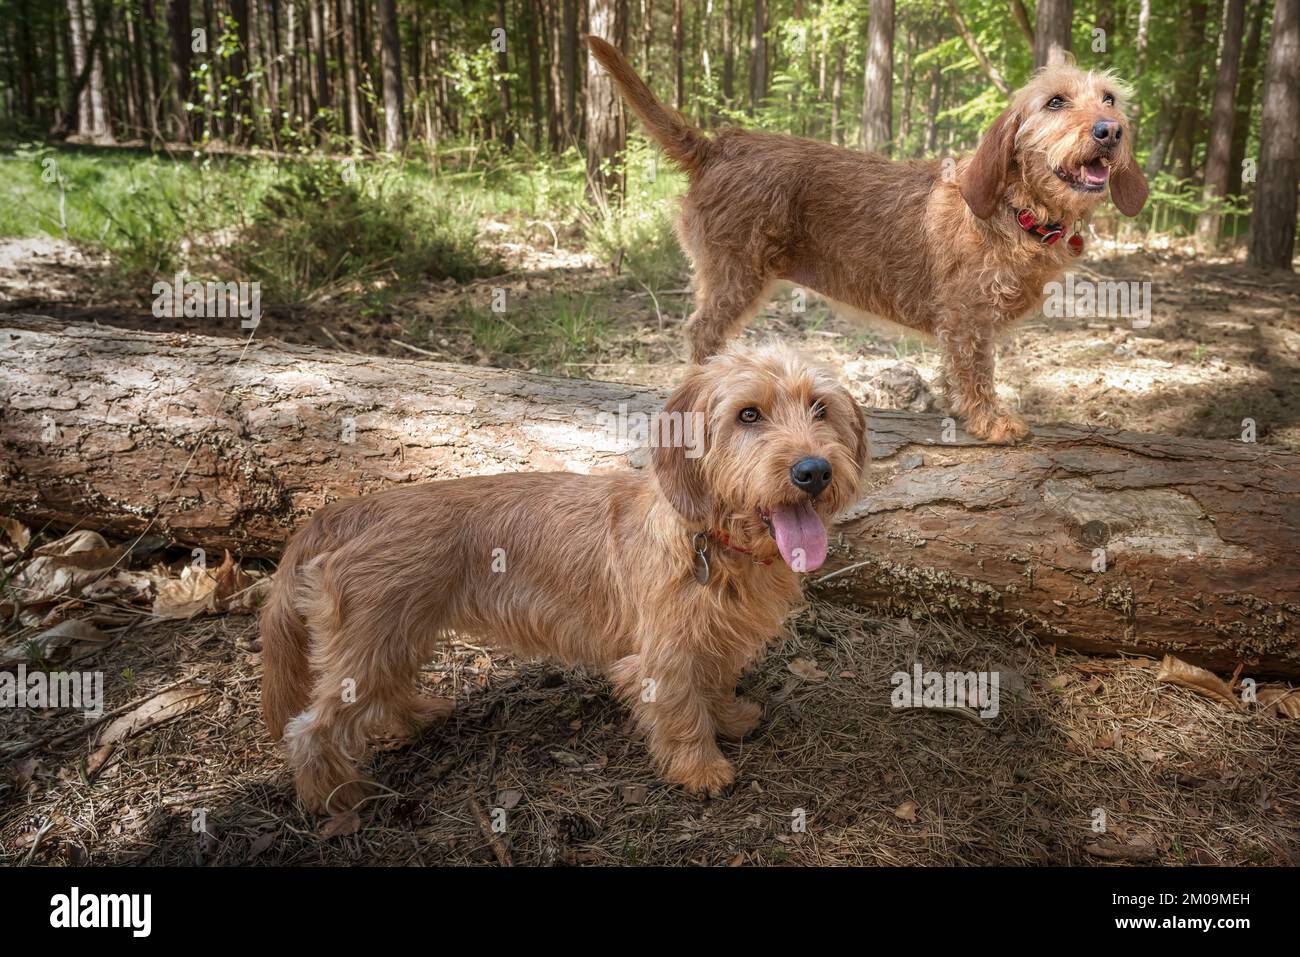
549 333
300 227
360 229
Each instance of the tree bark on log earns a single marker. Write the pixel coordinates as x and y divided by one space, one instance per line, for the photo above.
1093 539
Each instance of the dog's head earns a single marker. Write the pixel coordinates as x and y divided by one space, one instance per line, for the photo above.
783 448
1061 141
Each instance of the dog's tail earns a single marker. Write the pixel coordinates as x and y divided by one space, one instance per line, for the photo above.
286 681
685 145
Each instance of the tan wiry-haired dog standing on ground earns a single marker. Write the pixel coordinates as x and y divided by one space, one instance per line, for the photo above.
957 256
670 581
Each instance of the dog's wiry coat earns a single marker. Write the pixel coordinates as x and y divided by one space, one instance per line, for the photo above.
932 247
598 570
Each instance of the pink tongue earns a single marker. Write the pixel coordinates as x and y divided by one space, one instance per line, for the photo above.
1095 173
800 535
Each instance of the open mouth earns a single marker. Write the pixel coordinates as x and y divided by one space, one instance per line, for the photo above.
799 532
1089 177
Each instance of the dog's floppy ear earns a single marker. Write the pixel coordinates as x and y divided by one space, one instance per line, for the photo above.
861 451
680 441
985 177
1128 188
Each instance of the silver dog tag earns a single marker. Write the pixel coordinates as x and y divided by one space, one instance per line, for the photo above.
701 544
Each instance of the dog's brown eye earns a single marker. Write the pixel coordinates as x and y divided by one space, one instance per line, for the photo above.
1108 100
818 410
750 415
1056 102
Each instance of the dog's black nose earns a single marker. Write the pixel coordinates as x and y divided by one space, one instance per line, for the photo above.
811 474
1107 131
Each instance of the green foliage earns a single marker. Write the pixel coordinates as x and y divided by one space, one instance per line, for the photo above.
301 228
322 224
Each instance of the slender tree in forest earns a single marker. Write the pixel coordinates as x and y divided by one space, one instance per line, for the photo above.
1052 31
758 57
878 84
390 55
569 67
1245 100
1219 151
507 132
1272 227
647 37
178 29
352 74
679 66
728 52
606 131
1191 119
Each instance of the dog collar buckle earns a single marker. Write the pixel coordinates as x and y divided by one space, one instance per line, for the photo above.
1048 233
700 543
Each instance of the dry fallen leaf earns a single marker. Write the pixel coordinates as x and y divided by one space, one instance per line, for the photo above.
906 811
161 707
50 644
201 591
1279 699
1176 671
806 669
16 533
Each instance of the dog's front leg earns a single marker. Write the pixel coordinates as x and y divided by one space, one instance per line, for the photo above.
672 706
969 354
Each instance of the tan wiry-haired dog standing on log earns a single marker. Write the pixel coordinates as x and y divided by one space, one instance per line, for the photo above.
670 580
957 256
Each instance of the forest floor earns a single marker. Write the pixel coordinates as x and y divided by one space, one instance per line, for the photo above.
1089 761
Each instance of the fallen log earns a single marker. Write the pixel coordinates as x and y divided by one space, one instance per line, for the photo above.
1094 539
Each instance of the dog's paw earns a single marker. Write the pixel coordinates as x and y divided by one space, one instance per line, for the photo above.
736 718
710 779
1001 429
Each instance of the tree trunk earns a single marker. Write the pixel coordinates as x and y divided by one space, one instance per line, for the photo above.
351 74
178 28
1143 32
728 52
758 57
878 79
1187 133
1052 31
647 36
909 81
1272 227
320 77
932 111
1219 151
507 130
1021 16
837 97
26 62
1087 538
569 67
535 104
679 66
390 55
606 131
1245 101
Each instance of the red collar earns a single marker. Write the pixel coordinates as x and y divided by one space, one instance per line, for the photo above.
1047 233
700 545
723 539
